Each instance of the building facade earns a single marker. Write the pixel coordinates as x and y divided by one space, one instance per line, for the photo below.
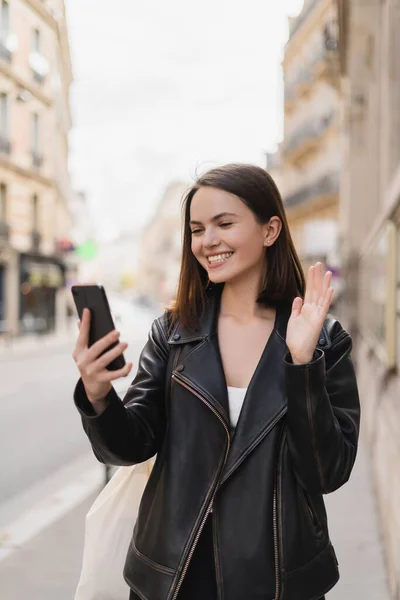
35 75
161 248
369 34
307 168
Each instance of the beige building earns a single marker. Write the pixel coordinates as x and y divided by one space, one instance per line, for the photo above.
160 248
35 75
370 240
308 163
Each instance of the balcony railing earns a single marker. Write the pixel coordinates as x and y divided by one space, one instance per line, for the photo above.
5 145
326 54
308 133
37 159
324 186
302 17
304 77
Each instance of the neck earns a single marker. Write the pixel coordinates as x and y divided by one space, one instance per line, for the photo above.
238 300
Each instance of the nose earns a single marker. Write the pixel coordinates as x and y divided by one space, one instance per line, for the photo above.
210 238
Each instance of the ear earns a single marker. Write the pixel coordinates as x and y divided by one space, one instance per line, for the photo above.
272 231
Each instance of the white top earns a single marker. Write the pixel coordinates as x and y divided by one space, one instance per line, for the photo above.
236 398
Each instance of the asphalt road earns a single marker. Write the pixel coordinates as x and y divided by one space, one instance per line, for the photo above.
42 440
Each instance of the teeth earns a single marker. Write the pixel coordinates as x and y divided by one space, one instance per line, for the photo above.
219 257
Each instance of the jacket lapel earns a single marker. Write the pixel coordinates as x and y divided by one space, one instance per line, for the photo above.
265 401
200 365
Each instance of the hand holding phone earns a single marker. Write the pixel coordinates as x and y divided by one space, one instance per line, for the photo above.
97 353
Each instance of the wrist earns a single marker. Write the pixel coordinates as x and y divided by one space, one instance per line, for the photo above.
98 405
301 360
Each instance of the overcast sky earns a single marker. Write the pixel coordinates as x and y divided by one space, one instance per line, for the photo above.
162 88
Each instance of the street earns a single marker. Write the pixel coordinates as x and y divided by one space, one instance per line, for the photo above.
46 455
43 442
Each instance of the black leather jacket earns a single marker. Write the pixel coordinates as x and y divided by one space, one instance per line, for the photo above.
296 439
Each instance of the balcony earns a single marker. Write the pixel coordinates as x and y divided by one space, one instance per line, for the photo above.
322 189
36 241
37 159
4 233
325 63
298 21
306 139
290 97
5 145
301 86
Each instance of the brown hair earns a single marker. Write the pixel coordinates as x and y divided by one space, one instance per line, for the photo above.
284 278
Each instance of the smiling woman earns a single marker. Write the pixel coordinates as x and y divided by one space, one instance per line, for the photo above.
235 227
247 394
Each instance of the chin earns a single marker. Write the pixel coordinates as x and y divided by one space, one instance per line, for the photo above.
221 277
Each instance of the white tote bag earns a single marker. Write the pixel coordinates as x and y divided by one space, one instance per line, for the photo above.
108 531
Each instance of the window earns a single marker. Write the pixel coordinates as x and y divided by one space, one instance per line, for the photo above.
35 212
36 41
35 133
3 116
3 202
4 19
378 288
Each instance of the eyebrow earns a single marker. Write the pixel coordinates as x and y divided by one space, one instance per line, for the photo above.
219 216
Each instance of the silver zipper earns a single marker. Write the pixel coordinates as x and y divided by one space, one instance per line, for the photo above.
275 524
196 539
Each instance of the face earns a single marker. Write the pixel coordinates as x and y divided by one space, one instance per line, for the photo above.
226 238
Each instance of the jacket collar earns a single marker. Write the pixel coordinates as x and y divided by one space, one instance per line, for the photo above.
209 321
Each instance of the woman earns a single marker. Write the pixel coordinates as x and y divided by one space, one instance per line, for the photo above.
246 392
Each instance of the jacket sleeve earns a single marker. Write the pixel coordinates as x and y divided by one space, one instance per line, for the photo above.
131 431
323 415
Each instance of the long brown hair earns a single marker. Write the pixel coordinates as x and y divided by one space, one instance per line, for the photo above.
284 276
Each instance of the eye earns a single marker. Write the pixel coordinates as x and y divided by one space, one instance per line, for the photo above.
225 224
196 231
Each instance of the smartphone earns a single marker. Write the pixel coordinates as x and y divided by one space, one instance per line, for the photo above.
94 298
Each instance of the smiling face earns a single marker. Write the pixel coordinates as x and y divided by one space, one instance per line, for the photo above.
227 240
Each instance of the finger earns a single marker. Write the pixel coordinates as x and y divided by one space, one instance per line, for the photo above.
104 360
83 337
325 288
326 282
309 285
79 324
317 287
297 306
102 344
111 375
325 301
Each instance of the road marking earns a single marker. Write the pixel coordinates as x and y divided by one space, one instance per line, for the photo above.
50 510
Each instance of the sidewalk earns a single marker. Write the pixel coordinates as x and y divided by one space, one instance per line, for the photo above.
30 344
48 567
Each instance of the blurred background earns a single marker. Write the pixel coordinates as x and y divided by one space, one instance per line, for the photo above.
107 113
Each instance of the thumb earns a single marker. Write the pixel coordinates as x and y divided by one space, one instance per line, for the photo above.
297 306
